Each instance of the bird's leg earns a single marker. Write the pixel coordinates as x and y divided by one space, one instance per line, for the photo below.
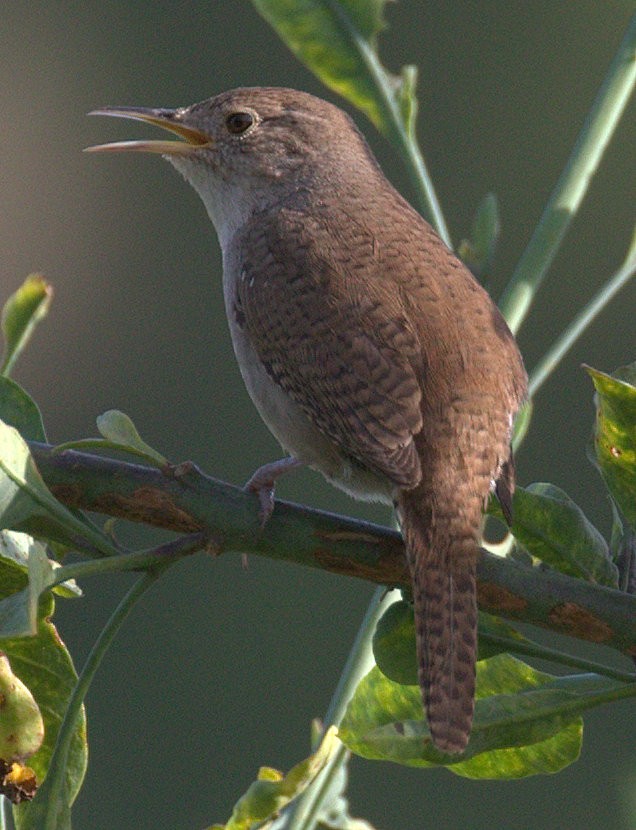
263 483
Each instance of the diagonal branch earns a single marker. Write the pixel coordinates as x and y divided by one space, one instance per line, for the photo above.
341 545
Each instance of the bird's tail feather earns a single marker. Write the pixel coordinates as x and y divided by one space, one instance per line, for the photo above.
442 557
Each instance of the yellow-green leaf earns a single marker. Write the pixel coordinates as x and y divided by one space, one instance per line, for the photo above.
44 665
394 644
119 434
554 529
272 790
526 722
18 547
17 409
615 435
394 641
334 39
22 312
478 252
118 428
24 495
21 724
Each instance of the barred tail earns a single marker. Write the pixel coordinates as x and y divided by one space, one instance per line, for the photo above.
442 557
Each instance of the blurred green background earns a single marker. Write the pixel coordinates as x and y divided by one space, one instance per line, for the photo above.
219 670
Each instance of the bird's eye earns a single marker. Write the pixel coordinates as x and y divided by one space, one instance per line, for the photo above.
238 122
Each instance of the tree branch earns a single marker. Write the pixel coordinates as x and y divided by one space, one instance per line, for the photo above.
192 502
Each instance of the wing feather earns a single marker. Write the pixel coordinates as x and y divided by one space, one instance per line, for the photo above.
324 335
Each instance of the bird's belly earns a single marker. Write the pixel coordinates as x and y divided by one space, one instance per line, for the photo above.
296 433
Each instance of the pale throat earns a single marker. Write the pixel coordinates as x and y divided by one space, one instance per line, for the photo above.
230 201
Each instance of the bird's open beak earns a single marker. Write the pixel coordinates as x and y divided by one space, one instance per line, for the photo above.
193 139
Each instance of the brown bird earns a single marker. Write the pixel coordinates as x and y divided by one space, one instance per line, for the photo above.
368 348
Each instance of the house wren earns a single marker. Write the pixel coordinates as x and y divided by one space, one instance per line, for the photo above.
368 348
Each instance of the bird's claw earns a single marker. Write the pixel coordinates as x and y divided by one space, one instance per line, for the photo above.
264 489
263 484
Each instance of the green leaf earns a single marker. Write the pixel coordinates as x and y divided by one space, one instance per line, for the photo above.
526 722
516 710
497 636
394 641
14 603
23 493
24 496
52 806
22 312
272 790
18 547
478 252
615 435
44 665
18 609
333 811
394 644
337 41
555 530
120 434
118 428
19 410
334 39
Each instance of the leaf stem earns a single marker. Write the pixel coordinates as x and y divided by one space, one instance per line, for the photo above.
52 789
531 649
139 561
6 820
305 810
360 660
427 198
573 183
568 338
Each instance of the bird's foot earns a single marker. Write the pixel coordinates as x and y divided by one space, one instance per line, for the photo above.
263 484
